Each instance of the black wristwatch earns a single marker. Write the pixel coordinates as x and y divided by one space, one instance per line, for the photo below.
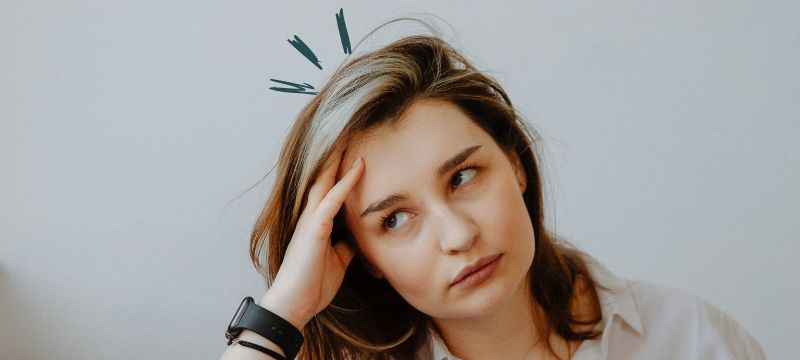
255 318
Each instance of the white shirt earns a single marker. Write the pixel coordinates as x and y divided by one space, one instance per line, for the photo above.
647 321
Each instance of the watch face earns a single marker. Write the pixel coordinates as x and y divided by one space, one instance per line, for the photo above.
233 328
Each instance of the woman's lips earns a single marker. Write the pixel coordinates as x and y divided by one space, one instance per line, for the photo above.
476 273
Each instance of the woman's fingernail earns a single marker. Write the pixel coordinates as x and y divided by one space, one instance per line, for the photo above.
355 163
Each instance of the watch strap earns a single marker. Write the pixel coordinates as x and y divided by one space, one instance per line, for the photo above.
273 327
264 350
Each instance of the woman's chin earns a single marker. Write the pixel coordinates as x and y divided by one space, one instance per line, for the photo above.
480 302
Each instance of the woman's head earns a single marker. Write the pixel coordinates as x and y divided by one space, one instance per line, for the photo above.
421 212
439 194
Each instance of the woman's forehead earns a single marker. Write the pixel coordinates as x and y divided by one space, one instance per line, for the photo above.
427 131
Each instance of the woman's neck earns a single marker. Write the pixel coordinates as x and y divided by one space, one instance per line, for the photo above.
508 333
512 332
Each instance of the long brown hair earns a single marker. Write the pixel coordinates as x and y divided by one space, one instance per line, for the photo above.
368 318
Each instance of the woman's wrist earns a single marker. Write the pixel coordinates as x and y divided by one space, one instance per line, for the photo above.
287 310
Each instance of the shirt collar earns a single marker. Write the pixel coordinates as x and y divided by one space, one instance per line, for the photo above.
618 301
440 351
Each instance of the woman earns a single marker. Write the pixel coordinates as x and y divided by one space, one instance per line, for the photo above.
417 164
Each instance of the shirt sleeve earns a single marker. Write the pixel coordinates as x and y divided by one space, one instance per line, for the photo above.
732 340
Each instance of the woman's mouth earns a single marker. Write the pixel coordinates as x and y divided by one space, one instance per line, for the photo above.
475 274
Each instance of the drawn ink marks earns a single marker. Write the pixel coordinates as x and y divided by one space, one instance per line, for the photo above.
295 88
301 47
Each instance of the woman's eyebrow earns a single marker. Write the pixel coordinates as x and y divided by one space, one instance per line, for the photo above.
456 160
443 169
385 203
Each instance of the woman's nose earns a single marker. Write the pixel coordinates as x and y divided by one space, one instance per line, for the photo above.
457 230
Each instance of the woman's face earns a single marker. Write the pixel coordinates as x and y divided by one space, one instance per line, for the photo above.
437 194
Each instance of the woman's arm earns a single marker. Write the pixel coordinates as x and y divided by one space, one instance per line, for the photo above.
281 308
312 269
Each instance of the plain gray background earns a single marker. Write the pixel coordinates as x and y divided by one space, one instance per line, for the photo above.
129 130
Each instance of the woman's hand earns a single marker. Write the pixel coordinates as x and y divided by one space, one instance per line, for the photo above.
313 270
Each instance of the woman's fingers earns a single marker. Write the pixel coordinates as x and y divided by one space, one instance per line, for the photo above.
333 201
324 181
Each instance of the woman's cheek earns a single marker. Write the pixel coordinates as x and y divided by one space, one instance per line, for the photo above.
410 273
516 222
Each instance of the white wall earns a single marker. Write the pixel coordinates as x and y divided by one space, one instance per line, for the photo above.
128 129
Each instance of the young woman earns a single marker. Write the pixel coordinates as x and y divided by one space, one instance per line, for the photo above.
416 165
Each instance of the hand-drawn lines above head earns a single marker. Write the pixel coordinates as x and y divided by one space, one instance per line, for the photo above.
304 50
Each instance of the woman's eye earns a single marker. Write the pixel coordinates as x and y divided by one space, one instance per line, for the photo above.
462 177
395 220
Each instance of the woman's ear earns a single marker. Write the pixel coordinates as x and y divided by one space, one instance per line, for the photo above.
519 170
